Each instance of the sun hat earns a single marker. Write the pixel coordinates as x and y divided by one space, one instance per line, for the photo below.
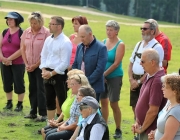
15 15
90 101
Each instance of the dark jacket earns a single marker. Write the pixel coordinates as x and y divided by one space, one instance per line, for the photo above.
95 59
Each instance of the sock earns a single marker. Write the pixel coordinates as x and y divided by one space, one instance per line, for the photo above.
9 101
19 103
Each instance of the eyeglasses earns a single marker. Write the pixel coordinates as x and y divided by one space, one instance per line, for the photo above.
9 38
81 107
163 86
142 61
53 24
35 14
143 28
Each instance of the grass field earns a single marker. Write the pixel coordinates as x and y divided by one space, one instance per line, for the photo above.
13 126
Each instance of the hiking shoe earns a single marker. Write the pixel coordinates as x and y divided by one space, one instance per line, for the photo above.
30 116
18 108
118 133
8 106
40 119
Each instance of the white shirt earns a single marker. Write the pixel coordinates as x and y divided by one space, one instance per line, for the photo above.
56 53
96 133
137 68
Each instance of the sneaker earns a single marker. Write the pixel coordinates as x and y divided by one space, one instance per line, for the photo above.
18 108
30 116
40 119
8 106
118 134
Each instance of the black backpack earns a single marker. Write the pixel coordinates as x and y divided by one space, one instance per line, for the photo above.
5 31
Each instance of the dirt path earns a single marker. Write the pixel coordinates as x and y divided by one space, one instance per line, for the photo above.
83 10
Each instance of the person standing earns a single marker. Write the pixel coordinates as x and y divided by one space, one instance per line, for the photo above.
32 41
113 74
91 57
165 42
135 71
12 65
55 59
151 99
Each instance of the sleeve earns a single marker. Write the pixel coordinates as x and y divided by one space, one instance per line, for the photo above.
156 93
133 53
175 113
75 63
160 51
167 48
100 67
97 128
65 56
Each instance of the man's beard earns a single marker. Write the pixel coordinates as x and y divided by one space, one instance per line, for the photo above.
146 37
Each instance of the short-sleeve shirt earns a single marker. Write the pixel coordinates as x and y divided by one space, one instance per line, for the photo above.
163 116
137 68
150 94
34 43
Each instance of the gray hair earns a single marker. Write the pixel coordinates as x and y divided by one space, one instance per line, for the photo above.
153 24
37 16
152 54
114 24
86 27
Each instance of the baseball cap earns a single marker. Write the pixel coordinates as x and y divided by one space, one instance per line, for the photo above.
90 101
15 15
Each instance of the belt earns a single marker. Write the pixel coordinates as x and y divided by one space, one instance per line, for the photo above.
137 77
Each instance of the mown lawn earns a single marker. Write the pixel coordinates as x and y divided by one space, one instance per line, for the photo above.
13 126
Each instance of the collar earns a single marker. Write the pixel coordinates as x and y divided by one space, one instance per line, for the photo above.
52 36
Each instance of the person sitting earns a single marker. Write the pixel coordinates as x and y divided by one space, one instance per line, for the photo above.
92 122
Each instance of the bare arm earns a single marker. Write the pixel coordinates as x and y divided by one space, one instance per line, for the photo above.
75 134
23 50
118 58
171 128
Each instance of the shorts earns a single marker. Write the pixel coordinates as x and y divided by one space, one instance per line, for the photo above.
134 95
112 89
13 75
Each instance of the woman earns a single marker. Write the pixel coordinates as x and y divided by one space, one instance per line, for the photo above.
75 39
12 65
113 74
66 130
65 114
32 41
168 123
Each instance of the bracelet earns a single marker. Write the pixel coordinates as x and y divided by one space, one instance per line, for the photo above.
50 73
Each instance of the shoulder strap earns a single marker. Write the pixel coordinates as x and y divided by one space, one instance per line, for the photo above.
154 45
4 32
137 50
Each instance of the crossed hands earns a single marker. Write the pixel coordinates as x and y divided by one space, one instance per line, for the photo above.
136 128
133 84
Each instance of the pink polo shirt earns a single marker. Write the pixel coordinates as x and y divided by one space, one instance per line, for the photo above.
73 49
34 43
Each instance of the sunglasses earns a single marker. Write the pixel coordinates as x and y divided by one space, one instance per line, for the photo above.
35 14
79 78
81 107
9 38
144 28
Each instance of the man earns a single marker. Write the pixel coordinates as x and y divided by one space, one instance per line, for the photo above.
136 72
92 122
165 42
55 59
151 99
91 57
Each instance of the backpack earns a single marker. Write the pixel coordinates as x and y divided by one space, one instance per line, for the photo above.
5 31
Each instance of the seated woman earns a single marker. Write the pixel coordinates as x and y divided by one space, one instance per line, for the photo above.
66 130
168 123
65 107
92 122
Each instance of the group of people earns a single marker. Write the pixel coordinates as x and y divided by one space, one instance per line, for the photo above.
69 76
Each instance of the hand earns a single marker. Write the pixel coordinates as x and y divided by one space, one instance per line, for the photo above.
133 84
46 74
136 128
6 61
151 135
61 128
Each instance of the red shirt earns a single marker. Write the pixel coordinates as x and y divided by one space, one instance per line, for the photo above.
166 44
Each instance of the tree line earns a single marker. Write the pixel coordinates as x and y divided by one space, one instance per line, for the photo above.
163 10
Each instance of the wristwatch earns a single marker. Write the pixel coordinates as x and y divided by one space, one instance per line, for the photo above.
139 81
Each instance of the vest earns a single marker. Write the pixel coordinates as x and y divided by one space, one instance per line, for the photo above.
97 119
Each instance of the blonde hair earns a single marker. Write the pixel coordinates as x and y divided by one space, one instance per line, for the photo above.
37 16
74 71
81 79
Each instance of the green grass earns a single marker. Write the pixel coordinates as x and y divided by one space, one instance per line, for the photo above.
15 127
